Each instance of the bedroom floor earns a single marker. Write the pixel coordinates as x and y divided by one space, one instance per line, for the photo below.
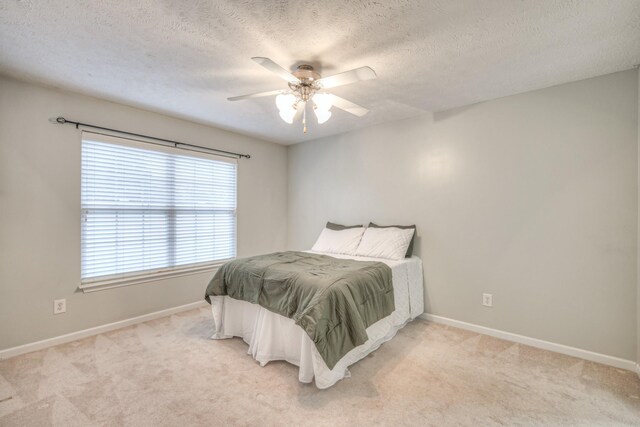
167 372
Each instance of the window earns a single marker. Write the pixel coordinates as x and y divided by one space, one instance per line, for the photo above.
155 211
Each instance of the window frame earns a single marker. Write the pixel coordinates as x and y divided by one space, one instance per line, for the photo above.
91 284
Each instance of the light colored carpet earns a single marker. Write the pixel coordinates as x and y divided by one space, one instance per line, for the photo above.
167 372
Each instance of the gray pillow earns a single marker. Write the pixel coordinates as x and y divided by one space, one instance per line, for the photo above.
338 227
404 227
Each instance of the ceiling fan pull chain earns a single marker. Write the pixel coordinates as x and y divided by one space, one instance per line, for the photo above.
304 120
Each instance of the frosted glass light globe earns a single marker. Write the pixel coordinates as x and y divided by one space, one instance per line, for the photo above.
288 114
323 101
285 101
322 115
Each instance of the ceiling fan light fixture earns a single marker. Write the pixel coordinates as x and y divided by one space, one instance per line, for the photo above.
305 84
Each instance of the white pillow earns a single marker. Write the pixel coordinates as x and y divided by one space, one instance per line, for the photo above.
339 241
387 242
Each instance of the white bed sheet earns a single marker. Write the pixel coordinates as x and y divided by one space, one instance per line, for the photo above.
271 336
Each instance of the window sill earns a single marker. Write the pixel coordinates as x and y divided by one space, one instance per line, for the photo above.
100 285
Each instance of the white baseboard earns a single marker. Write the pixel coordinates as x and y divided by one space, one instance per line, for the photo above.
617 362
73 336
521 339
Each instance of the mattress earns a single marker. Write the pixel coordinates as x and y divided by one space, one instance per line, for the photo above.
271 336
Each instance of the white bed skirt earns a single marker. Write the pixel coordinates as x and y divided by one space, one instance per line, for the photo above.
271 336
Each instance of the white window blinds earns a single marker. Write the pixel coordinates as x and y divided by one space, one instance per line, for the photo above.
150 210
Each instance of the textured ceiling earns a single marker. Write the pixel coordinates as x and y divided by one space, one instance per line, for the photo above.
184 58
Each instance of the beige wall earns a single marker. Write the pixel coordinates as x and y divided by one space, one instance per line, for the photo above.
40 211
532 198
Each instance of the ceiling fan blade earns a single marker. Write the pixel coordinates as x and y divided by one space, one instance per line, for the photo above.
348 77
276 69
348 106
256 95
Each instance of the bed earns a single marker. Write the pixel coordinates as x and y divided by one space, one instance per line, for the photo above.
271 336
271 331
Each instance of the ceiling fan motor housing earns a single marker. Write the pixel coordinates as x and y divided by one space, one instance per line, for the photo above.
306 74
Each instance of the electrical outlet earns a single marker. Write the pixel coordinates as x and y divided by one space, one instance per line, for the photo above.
59 306
487 300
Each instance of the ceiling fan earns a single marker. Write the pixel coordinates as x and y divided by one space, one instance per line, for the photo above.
305 85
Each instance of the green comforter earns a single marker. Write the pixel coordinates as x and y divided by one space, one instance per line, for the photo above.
333 300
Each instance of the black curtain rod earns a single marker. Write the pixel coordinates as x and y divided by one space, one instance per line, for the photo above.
176 144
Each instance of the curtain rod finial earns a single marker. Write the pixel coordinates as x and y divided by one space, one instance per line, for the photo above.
58 120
